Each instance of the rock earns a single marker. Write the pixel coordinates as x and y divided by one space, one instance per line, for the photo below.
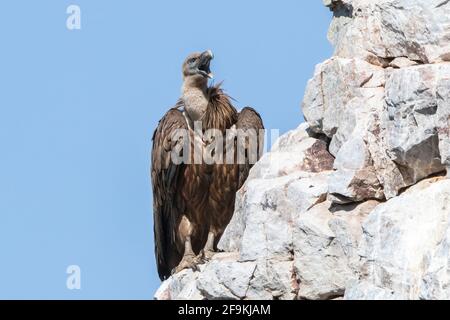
294 152
268 256
412 126
325 242
388 173
400 236
366 291
443 120
394 111
343 101
402 62
225 279
320 262
354 203
273 279
164 292
335 84
378 31
182 286
436 278
355 178
282 183
259 262
262 223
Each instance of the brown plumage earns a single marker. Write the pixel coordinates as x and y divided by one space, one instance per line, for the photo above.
193 203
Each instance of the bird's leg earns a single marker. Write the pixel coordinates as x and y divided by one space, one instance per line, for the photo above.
208 251
189 260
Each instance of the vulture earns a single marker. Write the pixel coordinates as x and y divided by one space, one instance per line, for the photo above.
193 201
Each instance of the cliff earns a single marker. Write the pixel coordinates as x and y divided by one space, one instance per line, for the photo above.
355 202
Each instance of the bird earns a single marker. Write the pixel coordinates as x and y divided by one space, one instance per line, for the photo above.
194 202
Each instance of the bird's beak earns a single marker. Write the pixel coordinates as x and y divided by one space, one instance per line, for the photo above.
205 61
209 53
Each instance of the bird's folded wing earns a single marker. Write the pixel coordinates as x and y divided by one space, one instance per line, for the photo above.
250 122
167 207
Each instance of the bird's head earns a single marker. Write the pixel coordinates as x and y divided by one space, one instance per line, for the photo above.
196 67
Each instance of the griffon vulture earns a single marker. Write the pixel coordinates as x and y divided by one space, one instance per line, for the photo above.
194 202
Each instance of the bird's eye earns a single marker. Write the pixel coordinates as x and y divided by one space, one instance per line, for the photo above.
192 60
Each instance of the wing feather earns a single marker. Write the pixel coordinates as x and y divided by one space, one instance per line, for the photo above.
249 119
167 207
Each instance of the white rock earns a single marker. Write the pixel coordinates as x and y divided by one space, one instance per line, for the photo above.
443 120
325 243
262 223
436 279
400 234
320 262
355 178
344 100
335 84
402 62
273 195
273 279
366 291
412 127
377 31
225 280
181 286
293 152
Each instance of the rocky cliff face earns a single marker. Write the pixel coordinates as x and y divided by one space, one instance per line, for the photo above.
355 202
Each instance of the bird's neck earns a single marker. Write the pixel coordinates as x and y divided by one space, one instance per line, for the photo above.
194 96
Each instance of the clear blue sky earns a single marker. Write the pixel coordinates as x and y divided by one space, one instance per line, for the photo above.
78 108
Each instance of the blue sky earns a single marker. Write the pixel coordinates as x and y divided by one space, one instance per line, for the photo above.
78 108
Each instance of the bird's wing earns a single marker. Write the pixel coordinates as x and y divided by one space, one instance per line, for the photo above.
165 175
250 121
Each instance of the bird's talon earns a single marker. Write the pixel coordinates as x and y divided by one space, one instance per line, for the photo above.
188 262
207 255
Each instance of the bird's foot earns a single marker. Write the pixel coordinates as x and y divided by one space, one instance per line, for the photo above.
205 255
189 261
